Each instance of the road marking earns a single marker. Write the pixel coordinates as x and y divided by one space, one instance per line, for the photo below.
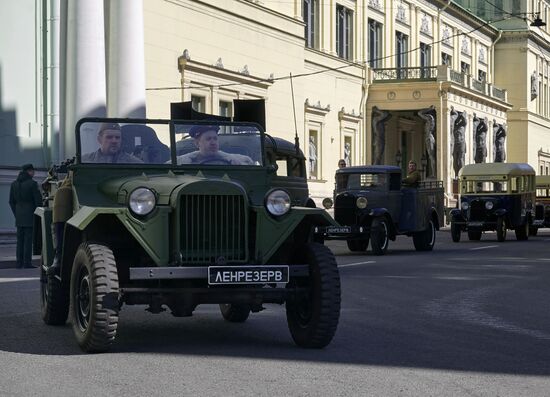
16 279
483 248
356 264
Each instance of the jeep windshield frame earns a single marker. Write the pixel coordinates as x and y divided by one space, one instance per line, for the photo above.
145 143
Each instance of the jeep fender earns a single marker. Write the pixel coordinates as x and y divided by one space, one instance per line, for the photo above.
456 214
381 212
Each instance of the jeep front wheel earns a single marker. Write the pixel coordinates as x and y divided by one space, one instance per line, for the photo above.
235 313
94 297
54 302
455 232
313 310
379 236
425 241
501 229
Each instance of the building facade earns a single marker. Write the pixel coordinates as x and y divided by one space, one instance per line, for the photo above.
368 81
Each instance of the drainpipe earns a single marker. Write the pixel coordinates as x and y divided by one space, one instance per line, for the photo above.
493 57
53 116
363 109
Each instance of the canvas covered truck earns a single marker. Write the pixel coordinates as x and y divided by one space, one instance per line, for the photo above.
233 228
371 205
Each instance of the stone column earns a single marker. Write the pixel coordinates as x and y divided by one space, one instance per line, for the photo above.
85 67
126 59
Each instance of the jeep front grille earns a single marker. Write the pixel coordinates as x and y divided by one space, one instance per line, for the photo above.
477 210
213 229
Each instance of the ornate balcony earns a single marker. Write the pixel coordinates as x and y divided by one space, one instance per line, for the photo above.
437 73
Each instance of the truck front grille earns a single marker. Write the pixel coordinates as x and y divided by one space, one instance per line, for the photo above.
477 210
213 229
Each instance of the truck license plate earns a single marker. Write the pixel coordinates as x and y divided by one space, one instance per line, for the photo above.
338 229
247 274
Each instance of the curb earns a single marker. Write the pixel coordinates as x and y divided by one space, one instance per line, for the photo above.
11 263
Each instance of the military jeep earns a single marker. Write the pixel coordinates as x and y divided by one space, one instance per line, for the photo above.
233 228
370 204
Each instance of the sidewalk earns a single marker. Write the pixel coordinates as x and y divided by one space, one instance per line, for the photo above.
7 250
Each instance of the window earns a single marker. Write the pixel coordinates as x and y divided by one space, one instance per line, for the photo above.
344 32
425 59
482 75
198 102
311 12
446 59
402 47
225 109
375 44
313 158
465 67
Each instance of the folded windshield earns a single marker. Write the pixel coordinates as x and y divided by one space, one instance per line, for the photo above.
150 143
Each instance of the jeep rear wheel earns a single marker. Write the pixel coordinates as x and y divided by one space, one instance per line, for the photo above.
455 232
501 229
54 302
522 232
358 245
425 241
94 297
379 236
474 235
314 310
235 313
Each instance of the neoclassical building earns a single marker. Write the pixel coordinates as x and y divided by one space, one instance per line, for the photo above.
369 81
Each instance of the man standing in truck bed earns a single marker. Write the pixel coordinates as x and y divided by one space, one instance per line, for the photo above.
413 177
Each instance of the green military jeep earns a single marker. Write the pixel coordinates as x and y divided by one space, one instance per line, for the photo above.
180 213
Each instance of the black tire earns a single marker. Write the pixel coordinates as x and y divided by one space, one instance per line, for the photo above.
94 297
501 229
425 241
522 232
533 230
455 232
54 299
379 236
313 315
235 313
358 245
474 235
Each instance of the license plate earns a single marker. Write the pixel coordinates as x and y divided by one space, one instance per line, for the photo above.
338 229
247 274
475 223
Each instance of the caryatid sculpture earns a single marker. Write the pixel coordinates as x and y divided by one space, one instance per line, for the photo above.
499 133
480 131
428 115
379 117
459 139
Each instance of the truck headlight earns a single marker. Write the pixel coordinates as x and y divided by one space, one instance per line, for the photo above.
277 202
489 205
142 201
464 205
361 202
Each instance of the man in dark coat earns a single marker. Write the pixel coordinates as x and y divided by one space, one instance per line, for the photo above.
24 198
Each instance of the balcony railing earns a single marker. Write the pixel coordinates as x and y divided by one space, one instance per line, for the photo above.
421 73
437 73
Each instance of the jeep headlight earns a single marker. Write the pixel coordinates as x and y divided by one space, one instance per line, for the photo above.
489 205
361 202
464 205
277 202
142 201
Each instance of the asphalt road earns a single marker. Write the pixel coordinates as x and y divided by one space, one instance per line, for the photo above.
469 318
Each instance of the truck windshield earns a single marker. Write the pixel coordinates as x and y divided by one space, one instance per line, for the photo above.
104 142
361 181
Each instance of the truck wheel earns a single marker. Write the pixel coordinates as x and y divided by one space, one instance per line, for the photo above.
455 232
474 235
425 241
379 236
54 299
94 297
501 229
235 313
313 313
358 245
522 232
533 230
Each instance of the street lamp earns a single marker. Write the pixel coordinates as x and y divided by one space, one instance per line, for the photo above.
398 157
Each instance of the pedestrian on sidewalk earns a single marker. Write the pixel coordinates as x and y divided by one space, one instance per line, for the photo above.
24 198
